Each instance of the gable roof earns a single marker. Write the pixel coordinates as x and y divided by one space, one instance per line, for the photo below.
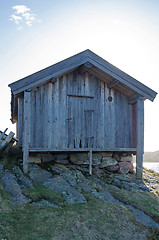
94 63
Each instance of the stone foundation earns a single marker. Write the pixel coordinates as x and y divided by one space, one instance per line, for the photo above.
109 161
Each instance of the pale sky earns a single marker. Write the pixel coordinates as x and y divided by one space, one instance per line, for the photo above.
36 34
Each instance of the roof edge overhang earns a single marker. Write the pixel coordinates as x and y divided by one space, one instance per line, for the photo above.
75 61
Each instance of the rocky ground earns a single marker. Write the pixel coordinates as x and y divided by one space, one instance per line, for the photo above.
72 184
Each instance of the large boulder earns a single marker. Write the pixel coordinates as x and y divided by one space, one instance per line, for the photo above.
38 175
112 168
116 156
123 170
62 158
129 165
108 161
126 158
106 154
47 158
83 158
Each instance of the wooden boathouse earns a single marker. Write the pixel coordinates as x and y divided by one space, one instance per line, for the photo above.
82 103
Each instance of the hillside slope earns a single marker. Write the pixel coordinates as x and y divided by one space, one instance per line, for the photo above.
151 156
113 207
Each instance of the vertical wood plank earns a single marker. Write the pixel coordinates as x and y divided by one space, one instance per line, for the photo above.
134 107
82 123
90 162
64 125
26 131
37 118
56 114
44 106
118 119
130 127
94 108
32 117
20 120
107 118
125 122
140 137
50 106
127 117
60 113
112 122
98 108
102 114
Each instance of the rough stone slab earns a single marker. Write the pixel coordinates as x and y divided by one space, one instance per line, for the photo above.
1 168
62 161
61 156
108 161
60 185
39 175
73 197
45 203
85 186
142 218
106 154
59 169
126 159
71 176
83 168
22 180
13 187
82 158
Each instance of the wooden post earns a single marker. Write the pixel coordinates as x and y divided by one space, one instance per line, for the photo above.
139 137
20 120
26 131
90 162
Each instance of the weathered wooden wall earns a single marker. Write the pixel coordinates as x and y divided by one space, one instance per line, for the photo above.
73 111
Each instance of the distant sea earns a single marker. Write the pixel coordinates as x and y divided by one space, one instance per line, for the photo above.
151 165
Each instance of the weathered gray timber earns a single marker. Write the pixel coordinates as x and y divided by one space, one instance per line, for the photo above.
3 133
140 137
76 110
26 131
6 141
90 162
20 120
80 104
75 61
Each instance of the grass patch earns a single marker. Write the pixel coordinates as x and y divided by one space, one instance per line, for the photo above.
9 162
93 220
151 172
148 202
41 192
11 158
4 199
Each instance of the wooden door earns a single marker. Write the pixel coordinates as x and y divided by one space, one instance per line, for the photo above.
81 127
